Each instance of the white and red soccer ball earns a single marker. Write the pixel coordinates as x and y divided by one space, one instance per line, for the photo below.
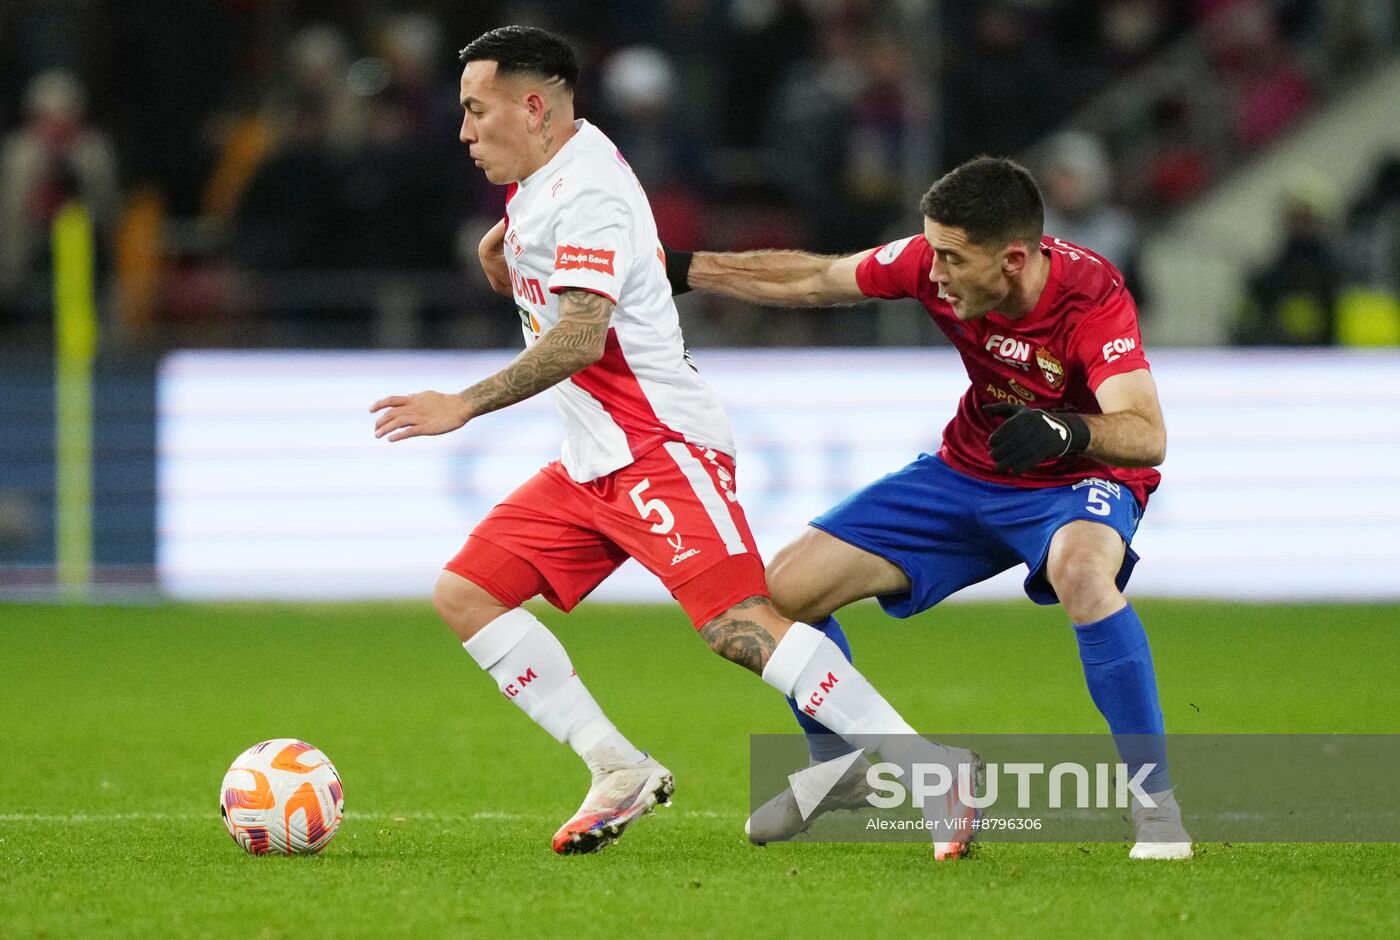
282 797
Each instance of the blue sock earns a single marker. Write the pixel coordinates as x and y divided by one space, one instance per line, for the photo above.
1118 668
822 743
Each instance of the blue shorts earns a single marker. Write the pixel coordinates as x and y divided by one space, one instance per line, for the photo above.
947 530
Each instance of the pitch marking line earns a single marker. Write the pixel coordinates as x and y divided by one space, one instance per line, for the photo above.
387 817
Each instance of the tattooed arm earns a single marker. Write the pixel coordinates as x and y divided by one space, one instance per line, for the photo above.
570 346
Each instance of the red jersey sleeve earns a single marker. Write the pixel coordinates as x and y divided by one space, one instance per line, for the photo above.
1108 341
895 270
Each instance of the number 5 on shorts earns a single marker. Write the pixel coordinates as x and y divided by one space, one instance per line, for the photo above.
663 512
1097 501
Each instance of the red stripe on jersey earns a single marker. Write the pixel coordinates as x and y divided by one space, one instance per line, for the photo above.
610 380
510 192
511 189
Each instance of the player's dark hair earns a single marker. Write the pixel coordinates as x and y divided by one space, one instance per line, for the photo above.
525 50
992 199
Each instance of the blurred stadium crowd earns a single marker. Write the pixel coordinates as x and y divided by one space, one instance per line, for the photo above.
271 173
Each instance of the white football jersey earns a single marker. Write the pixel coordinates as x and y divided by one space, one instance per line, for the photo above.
583 222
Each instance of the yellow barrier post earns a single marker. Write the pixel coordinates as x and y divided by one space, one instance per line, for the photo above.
75 334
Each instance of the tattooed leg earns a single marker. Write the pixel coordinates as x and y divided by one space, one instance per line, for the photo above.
744 633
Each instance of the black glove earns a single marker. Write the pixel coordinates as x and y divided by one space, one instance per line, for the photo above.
678 269
1030 436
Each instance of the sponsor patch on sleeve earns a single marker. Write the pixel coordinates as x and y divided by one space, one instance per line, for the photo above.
571 258
893 250
1118 348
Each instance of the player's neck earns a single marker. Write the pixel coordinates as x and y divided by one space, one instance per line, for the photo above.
551 138
1026 289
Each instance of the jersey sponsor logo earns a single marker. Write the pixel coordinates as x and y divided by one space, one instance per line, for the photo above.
527 320
516 248
571 258
893 250
1021 390
1051 368
1118 348
1001 394
681 552
1010 350
526 288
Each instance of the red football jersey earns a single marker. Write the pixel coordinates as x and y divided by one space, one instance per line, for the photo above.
1083 329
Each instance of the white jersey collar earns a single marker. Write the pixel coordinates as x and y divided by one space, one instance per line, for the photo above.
582 128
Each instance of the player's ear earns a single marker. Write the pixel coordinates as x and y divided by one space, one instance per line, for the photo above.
535 109
1013 258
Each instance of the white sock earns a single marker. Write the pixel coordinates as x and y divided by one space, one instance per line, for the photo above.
532 669
809 668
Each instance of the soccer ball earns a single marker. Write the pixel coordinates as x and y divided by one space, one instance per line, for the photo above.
282 797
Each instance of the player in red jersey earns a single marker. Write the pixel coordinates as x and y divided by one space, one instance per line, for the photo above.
647 469
1048 461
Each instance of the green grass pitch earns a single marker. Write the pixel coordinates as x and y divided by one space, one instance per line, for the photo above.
118 724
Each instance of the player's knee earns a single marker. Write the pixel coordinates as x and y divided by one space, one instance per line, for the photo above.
791 589
1082 583
464 606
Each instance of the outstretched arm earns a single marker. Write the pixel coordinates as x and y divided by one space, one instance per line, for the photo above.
780 278
570 346
492 252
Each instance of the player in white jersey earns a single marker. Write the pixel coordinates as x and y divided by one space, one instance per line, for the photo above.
647 469
582 223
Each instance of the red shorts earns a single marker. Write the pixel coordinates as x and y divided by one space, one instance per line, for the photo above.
674 510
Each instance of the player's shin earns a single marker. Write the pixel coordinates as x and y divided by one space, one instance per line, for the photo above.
532 670
822 743
811 669
1118 669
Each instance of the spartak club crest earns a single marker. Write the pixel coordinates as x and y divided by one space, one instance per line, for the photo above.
1050 367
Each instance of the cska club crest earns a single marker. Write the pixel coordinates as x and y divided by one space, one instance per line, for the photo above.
1051 368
